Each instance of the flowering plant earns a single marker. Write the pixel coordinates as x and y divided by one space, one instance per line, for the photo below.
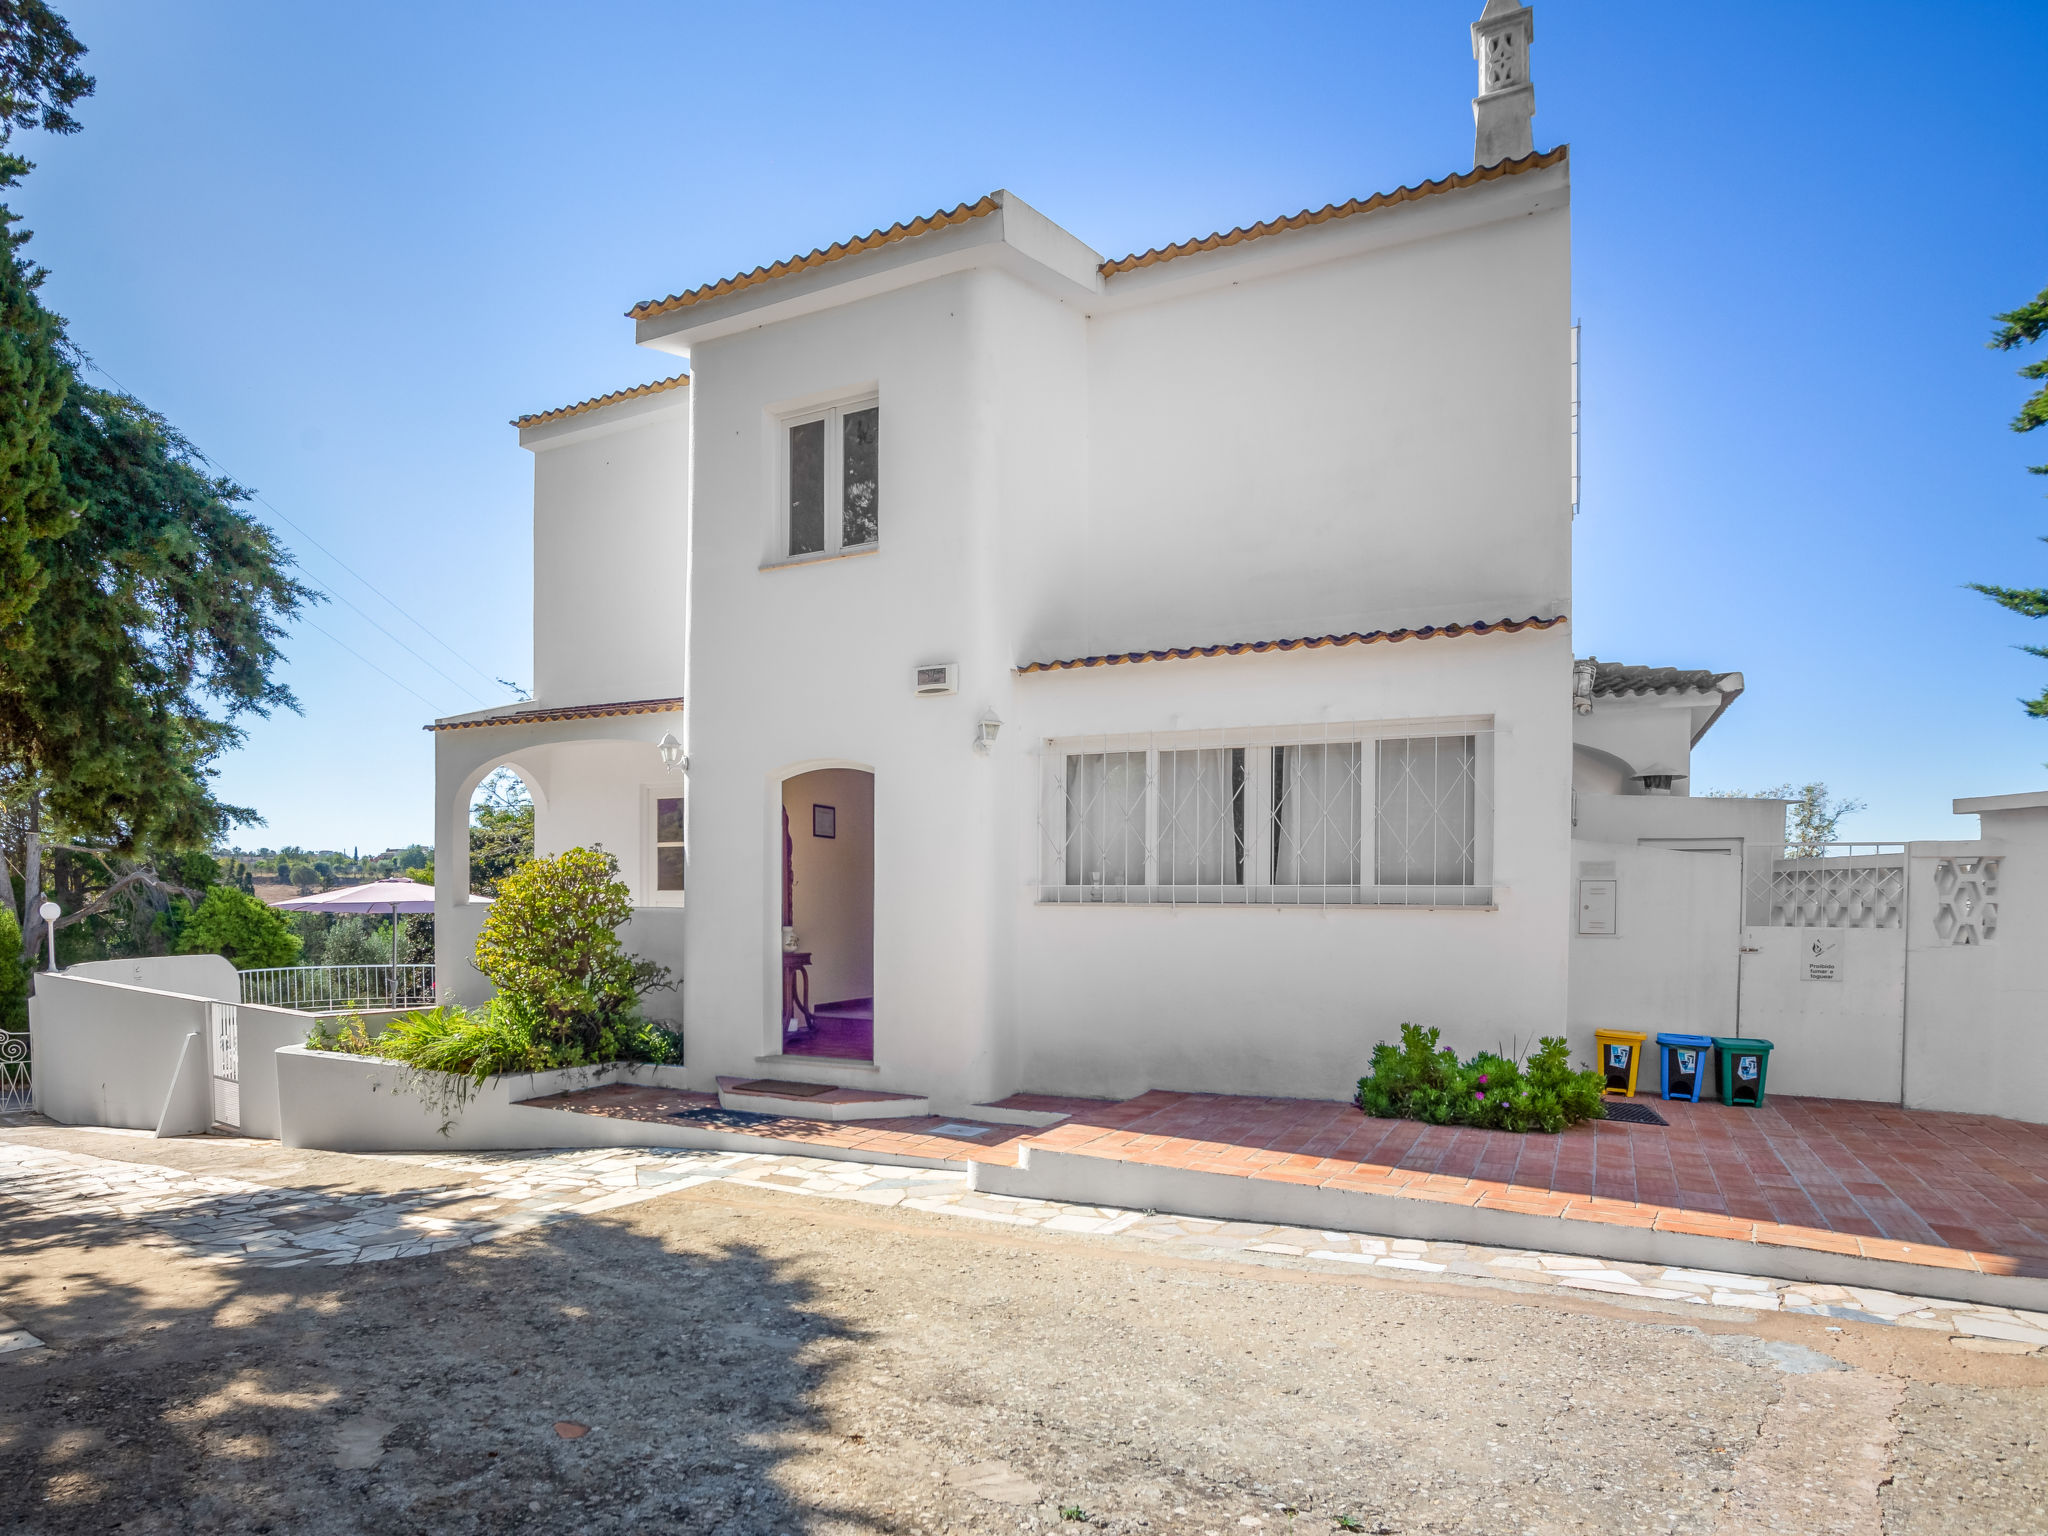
1420 1080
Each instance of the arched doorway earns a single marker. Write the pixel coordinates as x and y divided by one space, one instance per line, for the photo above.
828 914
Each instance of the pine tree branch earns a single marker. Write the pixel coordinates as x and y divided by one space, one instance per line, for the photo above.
105 900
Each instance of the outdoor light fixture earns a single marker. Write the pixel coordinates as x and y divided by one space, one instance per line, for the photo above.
51 912
671 750
988 726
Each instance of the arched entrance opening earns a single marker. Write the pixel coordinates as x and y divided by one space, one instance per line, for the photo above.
828 914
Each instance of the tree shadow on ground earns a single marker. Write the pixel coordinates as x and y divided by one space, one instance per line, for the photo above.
420 1394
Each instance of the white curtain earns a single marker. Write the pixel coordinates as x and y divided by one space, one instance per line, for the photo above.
1427 828
1105 819
1317 795
1201 817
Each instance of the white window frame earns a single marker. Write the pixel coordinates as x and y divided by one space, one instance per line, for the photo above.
651 894
832 415
1259 889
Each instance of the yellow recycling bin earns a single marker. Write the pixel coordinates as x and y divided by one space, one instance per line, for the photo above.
1621 1052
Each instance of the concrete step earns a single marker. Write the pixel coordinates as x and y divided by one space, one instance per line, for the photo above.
817 1101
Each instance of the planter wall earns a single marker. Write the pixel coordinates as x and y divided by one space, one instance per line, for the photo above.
334 1102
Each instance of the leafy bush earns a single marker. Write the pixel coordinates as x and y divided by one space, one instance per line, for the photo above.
568 993
231 922
551 945
13 976
500 1037
1417 1080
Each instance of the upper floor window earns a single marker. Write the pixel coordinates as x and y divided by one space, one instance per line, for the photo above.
832 473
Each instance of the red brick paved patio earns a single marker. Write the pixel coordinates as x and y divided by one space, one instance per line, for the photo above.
1840 1176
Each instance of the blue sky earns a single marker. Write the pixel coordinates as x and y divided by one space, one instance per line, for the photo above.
339 248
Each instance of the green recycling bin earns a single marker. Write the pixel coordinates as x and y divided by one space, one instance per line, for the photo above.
1745 1064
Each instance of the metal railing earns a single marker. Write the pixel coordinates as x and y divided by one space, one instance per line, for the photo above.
17 1091
325 988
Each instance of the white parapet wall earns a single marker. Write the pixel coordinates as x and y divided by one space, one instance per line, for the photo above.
211 976
335 1102
108 1052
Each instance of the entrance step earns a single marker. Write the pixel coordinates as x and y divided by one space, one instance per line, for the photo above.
817 1101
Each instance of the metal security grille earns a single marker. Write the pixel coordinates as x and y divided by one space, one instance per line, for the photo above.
1313 816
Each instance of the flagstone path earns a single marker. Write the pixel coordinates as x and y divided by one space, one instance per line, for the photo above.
220 1220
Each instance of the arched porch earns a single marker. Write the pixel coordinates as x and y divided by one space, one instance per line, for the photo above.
600 779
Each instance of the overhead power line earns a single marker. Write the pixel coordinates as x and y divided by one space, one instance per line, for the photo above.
396 606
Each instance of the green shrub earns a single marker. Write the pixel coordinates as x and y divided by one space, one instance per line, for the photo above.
551 945
13 976
1417 1080
490 1041
568 993
231 922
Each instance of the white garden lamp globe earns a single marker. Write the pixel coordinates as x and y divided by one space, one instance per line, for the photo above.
51 912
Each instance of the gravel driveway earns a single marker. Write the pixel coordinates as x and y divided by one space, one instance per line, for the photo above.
732 1359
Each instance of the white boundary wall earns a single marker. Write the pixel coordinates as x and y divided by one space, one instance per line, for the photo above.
109 1053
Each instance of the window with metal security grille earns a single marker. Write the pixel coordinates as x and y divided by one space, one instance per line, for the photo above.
1339 816
831 473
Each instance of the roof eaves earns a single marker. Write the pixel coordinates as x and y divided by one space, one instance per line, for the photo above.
565 712
1331 211
1302 643
598 402
942 219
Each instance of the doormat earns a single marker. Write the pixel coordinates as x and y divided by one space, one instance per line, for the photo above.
782 1088
722 1119
1634 1114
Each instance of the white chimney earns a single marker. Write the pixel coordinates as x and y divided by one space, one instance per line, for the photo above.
1506 99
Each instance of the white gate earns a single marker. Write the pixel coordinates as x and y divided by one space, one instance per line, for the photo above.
1824 967
224 1056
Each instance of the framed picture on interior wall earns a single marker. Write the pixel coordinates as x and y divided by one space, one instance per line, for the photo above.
824 821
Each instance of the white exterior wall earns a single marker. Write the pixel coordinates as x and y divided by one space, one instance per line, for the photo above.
1600 818
611 541
1370 440
810 666
1113 999
1670 965
1360 425
1977 1020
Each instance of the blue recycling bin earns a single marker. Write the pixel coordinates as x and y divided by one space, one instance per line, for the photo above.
1683 1064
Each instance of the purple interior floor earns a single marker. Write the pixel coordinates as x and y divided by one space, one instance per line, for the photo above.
845 1030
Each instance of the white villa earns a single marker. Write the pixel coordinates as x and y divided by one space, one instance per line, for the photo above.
998 666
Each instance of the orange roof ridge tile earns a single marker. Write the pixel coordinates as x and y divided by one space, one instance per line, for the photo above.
542 715
1305 642
958 214
560 412
1330 211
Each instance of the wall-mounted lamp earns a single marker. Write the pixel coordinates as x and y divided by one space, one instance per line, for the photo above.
988 726
671 751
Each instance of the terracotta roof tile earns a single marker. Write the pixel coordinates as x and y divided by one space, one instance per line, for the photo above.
1305 643
1613 680
959 214
565 712
1324 215
563 412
